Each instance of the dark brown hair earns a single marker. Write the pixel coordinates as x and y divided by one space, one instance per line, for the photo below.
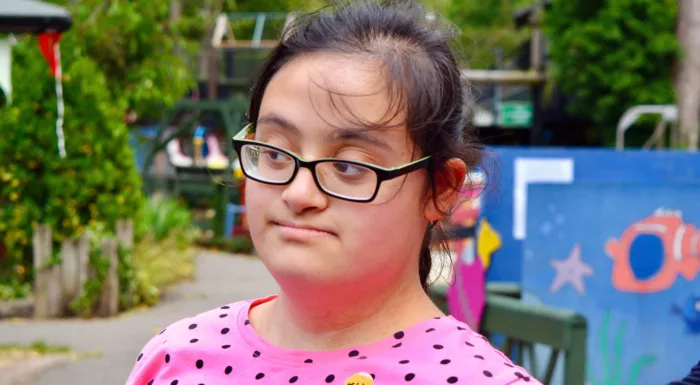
421 71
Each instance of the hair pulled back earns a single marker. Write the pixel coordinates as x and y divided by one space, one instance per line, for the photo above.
423 77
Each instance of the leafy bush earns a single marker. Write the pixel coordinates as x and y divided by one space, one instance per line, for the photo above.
164 252
612 55
97 180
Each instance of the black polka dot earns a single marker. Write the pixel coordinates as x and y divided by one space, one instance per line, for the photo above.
193 326
353 353
139 357
479 356
445 362
437 317
150 382
293 379
487 373
223 315
193 340
484 338
174 382
225 330
508 364
404 362
372 374
409 377
228 370
259 376
167 358
438 347
308 361
330 378
200 364
461 328
522 376
430 330
399 335
397 345
247 322
225 346
256 354
225 307
362 358
468 343
162 331
452 380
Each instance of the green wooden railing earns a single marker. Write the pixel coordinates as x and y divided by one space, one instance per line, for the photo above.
526 325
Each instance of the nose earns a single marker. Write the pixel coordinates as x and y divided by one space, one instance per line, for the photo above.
302 194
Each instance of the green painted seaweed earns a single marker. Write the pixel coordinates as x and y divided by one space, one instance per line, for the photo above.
612 357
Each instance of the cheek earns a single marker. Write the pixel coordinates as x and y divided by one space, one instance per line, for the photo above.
257 199
383 233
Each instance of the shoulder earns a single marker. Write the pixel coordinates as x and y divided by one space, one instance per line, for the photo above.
452 351
183 338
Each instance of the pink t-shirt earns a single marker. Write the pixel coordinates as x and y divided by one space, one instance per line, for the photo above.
221 347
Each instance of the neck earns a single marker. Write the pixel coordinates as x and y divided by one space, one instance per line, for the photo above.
334 320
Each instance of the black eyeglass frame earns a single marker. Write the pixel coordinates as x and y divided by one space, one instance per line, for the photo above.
383 174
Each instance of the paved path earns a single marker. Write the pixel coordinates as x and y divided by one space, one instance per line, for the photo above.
221 278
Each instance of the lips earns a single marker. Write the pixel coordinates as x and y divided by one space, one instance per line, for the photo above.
300 227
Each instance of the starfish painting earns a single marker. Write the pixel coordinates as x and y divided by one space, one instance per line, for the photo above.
570 270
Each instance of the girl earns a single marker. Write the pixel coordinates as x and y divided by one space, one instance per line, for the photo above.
355 150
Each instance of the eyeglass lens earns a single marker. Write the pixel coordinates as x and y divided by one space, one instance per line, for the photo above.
339 178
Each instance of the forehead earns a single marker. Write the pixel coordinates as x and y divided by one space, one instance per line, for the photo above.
322 92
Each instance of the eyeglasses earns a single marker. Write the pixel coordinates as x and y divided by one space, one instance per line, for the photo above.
339 178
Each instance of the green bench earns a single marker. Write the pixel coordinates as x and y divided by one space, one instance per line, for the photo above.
526 325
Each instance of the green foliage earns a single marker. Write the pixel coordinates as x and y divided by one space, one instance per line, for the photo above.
612 55
163 254
92 290
485 25
141 51
162 217
97 180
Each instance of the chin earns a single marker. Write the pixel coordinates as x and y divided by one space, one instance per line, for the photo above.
291 264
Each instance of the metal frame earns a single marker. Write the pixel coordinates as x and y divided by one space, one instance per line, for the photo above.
669 115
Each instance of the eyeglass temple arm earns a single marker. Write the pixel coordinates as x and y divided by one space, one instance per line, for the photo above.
417 165
243 133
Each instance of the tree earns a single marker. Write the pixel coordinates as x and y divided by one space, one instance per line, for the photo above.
688 81
611 55
134 44
119 56
485 25
97 180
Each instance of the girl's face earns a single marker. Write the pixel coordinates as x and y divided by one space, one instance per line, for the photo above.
307 238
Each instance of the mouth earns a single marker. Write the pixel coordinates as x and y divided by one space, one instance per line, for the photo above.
298 230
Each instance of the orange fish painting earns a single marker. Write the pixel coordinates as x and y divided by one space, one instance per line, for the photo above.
652 252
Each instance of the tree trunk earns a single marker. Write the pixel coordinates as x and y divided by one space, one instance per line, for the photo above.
688 81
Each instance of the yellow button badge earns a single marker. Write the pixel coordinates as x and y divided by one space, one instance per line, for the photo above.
361 378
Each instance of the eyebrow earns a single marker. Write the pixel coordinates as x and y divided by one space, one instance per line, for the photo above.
339 133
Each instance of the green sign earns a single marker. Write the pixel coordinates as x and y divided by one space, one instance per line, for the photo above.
515 114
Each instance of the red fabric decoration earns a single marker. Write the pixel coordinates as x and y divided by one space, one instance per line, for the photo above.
47 42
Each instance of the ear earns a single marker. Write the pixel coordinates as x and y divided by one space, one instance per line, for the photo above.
445 193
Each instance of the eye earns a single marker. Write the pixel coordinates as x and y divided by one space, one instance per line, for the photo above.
273 155
349 169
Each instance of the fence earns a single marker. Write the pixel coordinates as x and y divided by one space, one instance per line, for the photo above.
57 284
